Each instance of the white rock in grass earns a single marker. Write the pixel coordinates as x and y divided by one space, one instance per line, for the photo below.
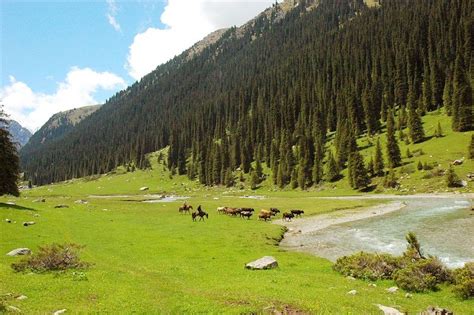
389 310
144 188
392 289
266 262
19 251
58 312
21 297
352 292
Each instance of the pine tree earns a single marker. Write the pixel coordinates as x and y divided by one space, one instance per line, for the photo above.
358 177
9 162
254 180
448 95
370 167
259 170
462 98
390 179
332 169
229 178
393 150
294 179
419 166
471 148
415 126
378 160
439 131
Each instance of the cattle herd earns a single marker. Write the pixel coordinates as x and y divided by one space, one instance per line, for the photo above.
245 213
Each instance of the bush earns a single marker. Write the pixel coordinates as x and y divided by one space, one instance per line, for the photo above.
367 266
422 275
464 281
55 257
452 179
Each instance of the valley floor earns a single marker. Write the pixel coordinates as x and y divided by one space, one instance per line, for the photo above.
148 258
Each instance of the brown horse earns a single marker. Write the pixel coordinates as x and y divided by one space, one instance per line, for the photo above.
185 209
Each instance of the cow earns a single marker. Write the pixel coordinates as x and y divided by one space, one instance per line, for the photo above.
297 213
288 216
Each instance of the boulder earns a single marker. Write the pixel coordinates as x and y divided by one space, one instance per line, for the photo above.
389 310
29 223
21 297
352 292
144 188
392 289
458 162
81 202
431 310
350 278
19 251
59 312
408 295
266 262
61 206
8 220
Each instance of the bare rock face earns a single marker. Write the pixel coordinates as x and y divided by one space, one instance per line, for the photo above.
19 251
266 262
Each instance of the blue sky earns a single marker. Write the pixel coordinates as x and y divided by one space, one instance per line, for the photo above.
58 55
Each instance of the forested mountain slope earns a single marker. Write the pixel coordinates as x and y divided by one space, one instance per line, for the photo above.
277 89
57 127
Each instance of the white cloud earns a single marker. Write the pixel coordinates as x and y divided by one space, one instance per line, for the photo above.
186 21
33 109
112 14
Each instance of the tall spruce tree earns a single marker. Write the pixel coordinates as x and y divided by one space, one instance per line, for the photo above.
358 177
9 162
471 148
332 169
462 98
415 125
393 150
378 160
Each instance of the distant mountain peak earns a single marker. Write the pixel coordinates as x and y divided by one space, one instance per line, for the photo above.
20 135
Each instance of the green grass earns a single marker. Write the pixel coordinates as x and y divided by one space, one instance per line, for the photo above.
150 259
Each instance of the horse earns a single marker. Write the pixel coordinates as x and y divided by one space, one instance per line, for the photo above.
297 213
288 216
185 208
200 213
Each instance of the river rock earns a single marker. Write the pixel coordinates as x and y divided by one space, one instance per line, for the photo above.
389 310
29 223
19 251
431 310
392 289
266 262
59 312
144 188
352 292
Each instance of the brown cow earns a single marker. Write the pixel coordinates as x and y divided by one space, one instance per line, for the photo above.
265 215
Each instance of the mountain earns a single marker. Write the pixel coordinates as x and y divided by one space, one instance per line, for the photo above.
293 86
57 127
20 135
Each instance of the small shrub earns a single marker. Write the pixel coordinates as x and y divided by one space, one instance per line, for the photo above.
452 179
419 166
428 167
422 275
407 169
55 257
367 266
463 279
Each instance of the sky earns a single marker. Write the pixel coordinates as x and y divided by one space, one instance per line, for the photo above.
57 55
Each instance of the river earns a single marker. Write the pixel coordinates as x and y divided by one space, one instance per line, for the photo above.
444 226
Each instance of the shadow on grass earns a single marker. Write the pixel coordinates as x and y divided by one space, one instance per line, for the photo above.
16 207
369 188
